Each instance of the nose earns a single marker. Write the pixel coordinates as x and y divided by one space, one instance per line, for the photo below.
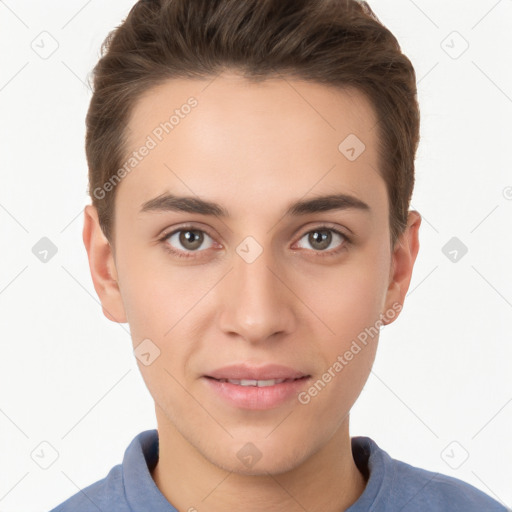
256 303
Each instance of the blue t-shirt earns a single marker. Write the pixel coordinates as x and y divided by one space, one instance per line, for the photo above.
392 485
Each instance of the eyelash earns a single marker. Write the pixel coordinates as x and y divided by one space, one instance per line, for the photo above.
181 254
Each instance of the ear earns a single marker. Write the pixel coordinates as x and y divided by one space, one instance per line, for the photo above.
102 266
403 258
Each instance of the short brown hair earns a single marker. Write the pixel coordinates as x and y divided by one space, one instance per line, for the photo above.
333 42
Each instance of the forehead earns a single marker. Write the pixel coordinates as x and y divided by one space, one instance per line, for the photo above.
231 138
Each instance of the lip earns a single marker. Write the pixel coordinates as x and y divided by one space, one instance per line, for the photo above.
245 371
255 397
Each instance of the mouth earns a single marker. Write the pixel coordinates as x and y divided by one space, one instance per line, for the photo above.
247 374
257 388
258 383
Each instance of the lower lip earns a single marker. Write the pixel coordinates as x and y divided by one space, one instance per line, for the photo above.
254 397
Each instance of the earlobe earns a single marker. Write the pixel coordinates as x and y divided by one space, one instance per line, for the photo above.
102 267
403 259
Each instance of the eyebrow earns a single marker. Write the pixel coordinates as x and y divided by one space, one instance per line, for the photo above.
169 202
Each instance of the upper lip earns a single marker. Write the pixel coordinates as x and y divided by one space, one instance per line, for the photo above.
245 371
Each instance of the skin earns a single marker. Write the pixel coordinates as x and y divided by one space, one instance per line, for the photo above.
253 148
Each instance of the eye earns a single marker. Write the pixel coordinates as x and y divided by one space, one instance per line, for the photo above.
186 240
322 238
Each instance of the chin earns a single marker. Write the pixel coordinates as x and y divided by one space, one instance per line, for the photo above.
248 459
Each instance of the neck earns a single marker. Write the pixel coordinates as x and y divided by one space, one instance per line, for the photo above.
328 481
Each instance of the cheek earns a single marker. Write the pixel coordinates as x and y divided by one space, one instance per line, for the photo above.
350 305
350 297
162 302
155 294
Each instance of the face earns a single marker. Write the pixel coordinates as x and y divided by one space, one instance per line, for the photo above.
247 281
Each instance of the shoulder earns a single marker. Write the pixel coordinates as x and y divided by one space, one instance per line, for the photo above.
428 490
127 487
396 485
105 494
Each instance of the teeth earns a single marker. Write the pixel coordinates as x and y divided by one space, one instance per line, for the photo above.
259 383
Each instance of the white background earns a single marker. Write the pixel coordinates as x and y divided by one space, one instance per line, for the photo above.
443 370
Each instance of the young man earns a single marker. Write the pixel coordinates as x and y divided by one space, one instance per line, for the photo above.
251 166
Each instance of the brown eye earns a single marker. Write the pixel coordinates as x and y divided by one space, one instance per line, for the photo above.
321 239
191 239
184 240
